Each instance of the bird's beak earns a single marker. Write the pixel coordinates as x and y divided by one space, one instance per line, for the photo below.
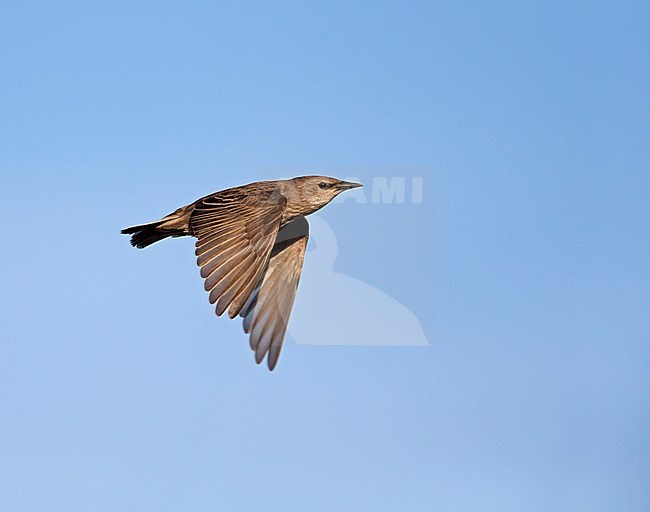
347 185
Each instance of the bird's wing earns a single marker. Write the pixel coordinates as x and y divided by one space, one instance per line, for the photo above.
266 314
236 230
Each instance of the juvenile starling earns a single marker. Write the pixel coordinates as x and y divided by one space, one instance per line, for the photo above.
250 246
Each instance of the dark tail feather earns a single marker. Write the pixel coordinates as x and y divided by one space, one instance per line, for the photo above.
146 234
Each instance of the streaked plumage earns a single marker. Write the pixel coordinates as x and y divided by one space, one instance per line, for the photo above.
250 247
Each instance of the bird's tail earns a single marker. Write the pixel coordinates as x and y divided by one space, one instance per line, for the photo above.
144 235
174 224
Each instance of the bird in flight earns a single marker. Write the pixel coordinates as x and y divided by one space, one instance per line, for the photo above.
250 247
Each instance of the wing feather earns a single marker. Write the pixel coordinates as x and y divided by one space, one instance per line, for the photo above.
236 230
266 314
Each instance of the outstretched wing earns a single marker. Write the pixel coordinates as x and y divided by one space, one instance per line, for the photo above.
266 314
236 230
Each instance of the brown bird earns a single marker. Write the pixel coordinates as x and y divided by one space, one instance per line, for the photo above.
251 243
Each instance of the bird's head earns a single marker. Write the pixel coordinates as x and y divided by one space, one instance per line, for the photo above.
314 192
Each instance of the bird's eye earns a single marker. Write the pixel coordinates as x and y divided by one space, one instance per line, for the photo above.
322 185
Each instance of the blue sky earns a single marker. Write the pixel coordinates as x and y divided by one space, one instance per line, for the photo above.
526 262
